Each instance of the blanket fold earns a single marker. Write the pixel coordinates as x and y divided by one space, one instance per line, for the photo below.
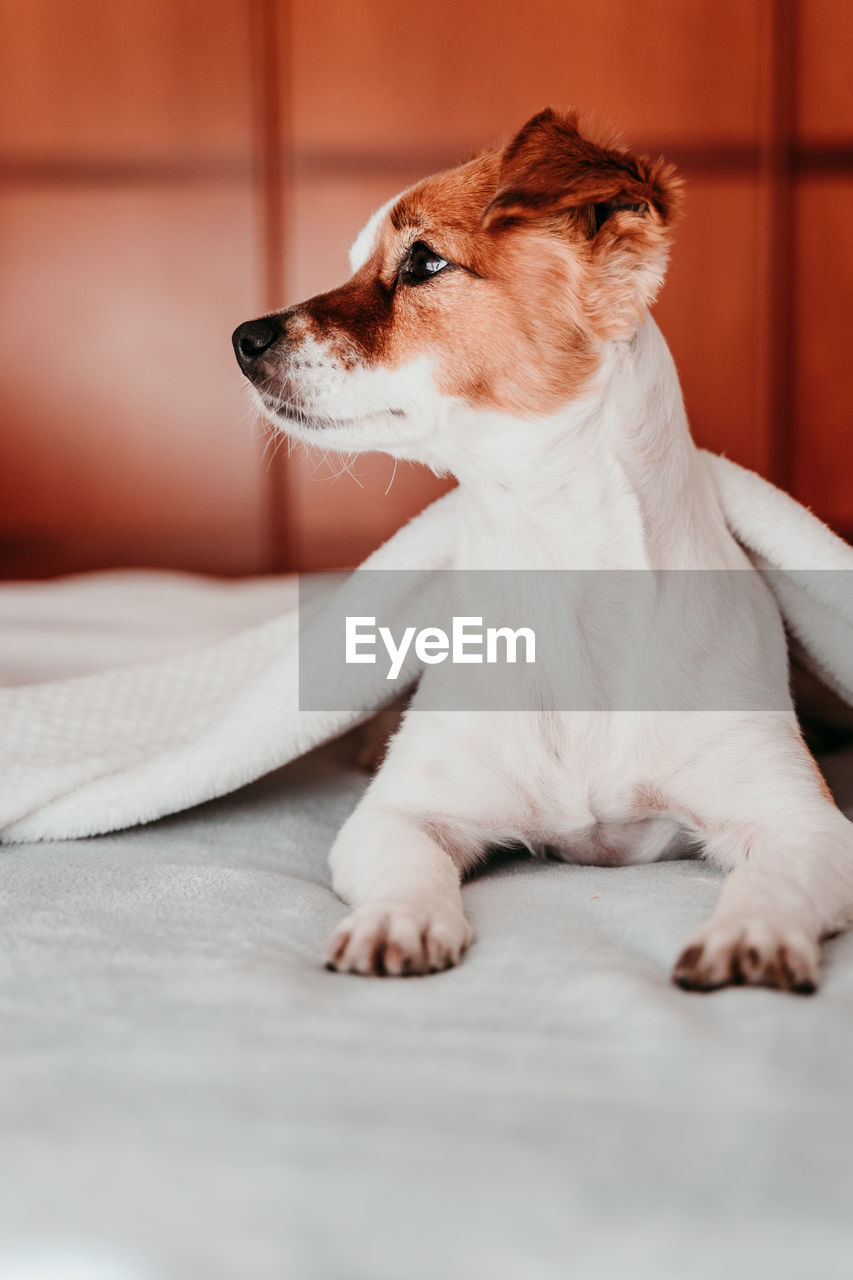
109 750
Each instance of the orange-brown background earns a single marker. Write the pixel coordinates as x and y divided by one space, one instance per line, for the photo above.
174 167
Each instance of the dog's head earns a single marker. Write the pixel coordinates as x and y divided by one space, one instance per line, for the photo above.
492 287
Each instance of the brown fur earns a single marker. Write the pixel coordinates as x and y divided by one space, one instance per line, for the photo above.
558 243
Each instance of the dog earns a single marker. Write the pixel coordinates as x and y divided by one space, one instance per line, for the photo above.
497 327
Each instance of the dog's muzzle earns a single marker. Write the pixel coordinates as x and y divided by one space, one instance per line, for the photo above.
253 339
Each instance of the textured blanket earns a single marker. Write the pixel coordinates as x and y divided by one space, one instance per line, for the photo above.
131 743
188 1095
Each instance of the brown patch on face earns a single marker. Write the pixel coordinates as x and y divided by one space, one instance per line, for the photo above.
354 320
554 244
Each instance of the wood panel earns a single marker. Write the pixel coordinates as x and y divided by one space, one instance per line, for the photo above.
129 250
823 384
822 246
710 311
104 82
825 71
138 227
129 417
376 75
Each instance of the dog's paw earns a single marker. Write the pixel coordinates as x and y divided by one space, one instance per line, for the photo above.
753 952
396 939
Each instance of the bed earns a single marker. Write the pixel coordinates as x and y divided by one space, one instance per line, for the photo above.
186 1092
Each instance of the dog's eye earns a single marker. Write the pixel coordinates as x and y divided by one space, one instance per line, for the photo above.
422 264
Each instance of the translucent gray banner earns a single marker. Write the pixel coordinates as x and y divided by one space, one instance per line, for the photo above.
632 640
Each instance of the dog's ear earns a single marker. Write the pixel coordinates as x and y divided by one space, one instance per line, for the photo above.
620 206
549 168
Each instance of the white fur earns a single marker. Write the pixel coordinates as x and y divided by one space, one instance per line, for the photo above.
612 481
365 242
397 409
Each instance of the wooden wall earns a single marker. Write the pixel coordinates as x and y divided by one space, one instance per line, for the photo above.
170 169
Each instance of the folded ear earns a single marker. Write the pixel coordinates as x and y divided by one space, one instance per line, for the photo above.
550 167
623 206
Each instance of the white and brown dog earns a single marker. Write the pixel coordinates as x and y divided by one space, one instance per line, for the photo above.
496 327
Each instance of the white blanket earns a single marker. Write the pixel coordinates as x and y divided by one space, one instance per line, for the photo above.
129 744
186 1094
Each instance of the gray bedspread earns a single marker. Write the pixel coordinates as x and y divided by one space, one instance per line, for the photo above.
186 1092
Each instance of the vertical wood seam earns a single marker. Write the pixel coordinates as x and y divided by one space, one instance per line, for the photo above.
780 231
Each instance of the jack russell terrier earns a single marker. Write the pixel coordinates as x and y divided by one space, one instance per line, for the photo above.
496 327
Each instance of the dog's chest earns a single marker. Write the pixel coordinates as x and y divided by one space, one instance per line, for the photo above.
585 789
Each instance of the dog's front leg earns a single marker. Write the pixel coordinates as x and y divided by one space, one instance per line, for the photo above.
405 890
791 884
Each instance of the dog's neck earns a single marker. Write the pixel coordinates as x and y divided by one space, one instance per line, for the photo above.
613 481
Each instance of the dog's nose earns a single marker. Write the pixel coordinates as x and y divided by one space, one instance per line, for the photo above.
253 338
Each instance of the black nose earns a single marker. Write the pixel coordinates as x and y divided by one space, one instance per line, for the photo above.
253 338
